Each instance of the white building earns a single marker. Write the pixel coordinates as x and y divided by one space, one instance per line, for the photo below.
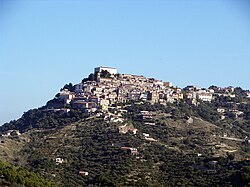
248 94
112 71
67 96
168 84
205 96
59 160
221 110
83 173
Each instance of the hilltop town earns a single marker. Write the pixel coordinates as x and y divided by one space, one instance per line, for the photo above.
105 87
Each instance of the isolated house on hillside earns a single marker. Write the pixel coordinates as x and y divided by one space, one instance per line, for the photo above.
131 150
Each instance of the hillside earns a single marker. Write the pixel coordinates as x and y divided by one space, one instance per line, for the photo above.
178 150
147 140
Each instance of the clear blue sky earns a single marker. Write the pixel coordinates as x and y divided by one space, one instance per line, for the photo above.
45 44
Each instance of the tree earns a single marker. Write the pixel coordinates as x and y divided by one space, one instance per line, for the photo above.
92 77
69 87
57 95
105 74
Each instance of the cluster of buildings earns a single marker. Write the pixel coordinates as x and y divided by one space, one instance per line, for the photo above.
103 91
118 88
194 94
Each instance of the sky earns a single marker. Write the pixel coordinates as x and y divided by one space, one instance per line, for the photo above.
45 44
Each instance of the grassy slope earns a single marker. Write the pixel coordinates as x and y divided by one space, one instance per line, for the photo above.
94 146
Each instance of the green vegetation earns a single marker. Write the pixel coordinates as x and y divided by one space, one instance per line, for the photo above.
105 74
91 77
69 87
16 176
95 146
43 119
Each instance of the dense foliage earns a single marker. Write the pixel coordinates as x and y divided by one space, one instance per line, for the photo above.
95 146
69 87
16 176
43 119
